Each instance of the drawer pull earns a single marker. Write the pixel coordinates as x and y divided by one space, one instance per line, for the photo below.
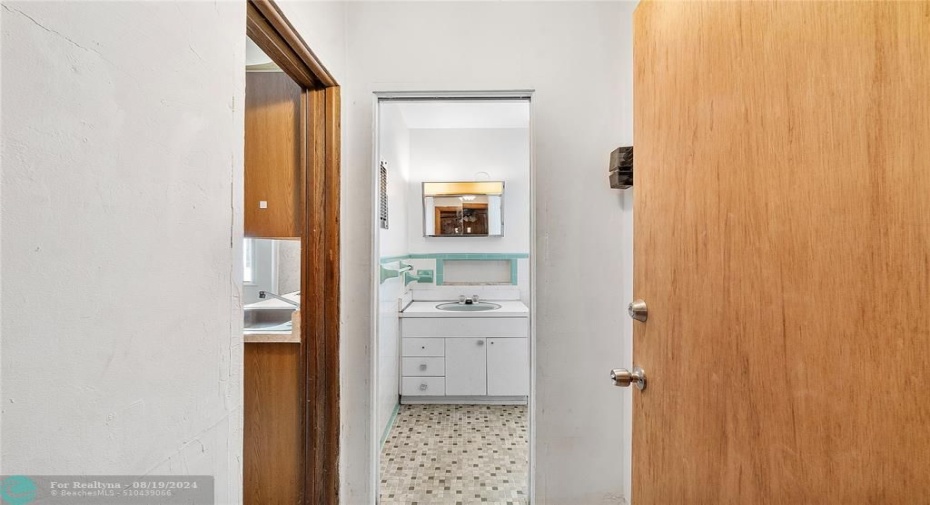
423 387
423 366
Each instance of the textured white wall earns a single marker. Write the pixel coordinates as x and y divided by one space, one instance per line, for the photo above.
449 154
578 58
121 220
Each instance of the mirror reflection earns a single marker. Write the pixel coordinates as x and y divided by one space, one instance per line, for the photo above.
271 284
463 209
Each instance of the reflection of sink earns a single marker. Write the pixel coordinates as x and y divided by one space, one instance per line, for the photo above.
263 327
468 307
259 320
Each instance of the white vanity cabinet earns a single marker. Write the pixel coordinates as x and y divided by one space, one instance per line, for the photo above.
467 359
508 367
466 367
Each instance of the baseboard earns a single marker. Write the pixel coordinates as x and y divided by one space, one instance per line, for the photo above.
463 400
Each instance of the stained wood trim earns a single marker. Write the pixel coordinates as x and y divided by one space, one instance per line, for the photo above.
315 296
274 34
320 246
277 48
321 282
332 309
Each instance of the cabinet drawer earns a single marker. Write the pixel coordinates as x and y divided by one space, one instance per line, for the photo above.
424 347
420 367
423 386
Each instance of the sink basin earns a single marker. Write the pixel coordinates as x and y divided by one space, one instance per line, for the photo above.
259 320
263 327
468 307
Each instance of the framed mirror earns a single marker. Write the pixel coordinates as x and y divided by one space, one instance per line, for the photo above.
463 209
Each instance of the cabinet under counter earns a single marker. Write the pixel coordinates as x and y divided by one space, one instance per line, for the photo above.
468 359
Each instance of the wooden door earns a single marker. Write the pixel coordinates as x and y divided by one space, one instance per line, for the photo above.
508 367
466 367
782 244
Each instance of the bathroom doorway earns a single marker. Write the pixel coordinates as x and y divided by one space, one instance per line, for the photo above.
453 264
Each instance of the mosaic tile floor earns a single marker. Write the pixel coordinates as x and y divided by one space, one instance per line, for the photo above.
456 455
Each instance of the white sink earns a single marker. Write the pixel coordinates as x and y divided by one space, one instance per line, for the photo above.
468 307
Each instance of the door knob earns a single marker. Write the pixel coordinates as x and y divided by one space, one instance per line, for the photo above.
624 378
637 310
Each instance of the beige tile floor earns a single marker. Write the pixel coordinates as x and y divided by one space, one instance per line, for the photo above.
456 454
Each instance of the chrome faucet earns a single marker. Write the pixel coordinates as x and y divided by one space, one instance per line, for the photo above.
265 294
463 300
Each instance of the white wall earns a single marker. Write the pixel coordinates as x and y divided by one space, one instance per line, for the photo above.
448 154
395 150
121 221
388 352
322 25
578 58
288 266
264 270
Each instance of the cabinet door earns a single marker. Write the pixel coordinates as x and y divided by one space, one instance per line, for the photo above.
508 367
466 367
272 155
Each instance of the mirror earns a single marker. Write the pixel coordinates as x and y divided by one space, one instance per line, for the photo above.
270 284
463 209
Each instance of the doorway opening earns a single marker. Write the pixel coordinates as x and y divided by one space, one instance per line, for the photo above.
290 252
453 272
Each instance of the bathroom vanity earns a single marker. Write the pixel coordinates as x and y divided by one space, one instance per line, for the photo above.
465 356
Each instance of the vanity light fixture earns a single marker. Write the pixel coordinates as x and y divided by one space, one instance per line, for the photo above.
463 188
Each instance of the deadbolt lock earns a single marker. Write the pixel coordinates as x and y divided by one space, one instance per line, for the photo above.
637 310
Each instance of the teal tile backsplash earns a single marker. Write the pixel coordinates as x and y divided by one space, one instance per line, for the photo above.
442 257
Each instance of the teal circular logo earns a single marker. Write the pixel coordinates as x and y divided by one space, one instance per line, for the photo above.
17 490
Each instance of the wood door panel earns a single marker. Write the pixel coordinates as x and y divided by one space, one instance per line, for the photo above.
782 243
272 155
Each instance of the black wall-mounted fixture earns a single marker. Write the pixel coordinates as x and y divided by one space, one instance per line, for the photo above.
621 168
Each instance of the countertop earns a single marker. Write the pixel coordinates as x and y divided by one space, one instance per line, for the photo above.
271 337
509 308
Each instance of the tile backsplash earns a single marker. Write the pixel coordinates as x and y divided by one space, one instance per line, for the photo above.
493 276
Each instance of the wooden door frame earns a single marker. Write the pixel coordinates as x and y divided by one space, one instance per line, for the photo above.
267 26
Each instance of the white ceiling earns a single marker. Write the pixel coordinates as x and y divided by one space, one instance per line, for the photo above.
463 113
